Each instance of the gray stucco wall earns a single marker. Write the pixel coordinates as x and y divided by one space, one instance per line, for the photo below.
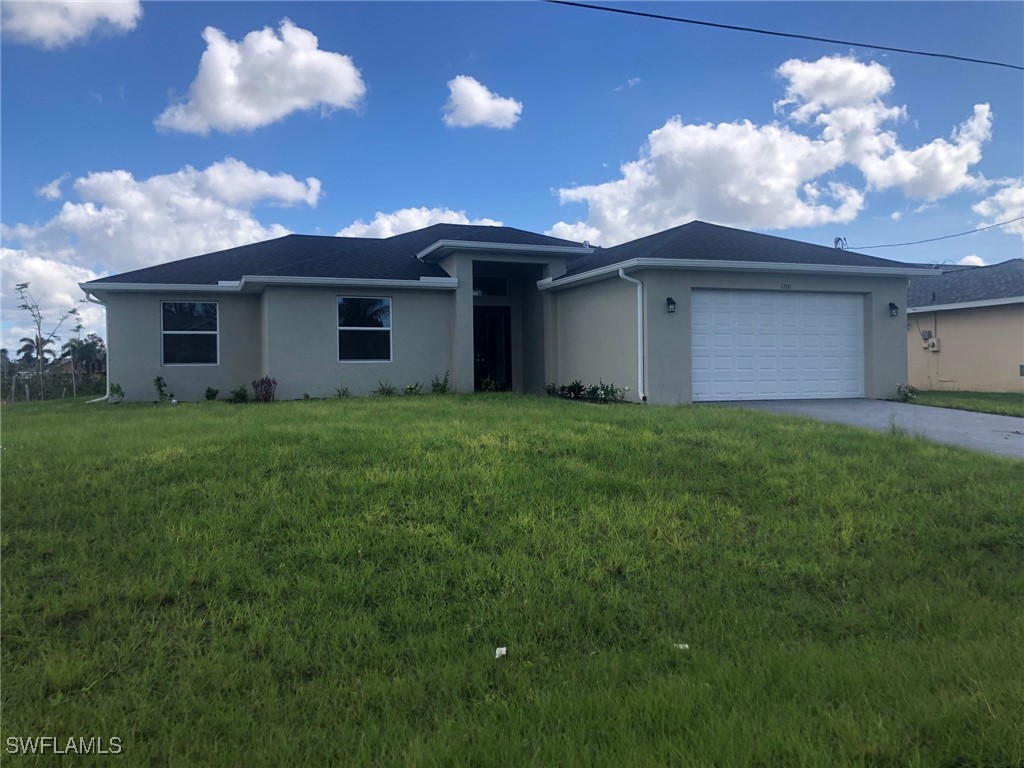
597 334
133 340
668 351
302 340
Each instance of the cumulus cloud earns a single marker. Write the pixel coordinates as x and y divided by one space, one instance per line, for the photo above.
1004 205
972 261
122 223
261 79
471 103
781 175
58 23
409 219
52 190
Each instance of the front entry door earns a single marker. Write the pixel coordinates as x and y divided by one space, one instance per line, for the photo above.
492 348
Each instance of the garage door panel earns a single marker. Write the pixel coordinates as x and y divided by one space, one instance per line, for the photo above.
776 345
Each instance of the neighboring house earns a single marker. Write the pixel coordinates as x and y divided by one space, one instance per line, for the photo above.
965 329
698 312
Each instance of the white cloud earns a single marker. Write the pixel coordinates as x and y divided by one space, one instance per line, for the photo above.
896 215
58 23
123 223
772 176
260 80
630 83
972 261
1004 205
52 190
409 219
470 104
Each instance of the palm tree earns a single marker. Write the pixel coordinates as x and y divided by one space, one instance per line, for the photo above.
36 351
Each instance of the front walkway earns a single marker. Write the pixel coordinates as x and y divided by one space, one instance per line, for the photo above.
1003 435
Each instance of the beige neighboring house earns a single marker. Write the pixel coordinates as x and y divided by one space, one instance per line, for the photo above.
965 329
696 313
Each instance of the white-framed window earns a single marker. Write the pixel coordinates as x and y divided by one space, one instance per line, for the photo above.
364 329
189 333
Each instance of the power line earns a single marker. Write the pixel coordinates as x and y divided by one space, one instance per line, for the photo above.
933 239
782 34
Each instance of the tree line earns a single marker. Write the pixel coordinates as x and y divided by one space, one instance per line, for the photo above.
40 370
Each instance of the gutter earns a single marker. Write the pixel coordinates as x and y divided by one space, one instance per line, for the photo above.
640 379
716 265
967 305
239 286
93 300
472 245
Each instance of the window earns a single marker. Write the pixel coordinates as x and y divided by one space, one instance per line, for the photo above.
364 329
189 330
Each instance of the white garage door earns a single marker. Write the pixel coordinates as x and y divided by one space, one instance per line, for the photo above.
776 345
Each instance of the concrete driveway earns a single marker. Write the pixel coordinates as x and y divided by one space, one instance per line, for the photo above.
1003 435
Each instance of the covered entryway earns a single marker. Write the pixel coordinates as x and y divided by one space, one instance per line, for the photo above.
776 345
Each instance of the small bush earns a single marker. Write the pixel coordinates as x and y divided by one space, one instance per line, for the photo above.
342 392
263 389
414 389
595 393
211 393
489 385
906 392
439 386
240 395
116 393
385 389
161 389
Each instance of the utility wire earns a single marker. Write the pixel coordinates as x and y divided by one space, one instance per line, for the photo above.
933 239
782 34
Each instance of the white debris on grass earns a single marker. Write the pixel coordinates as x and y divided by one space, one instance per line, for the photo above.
499 652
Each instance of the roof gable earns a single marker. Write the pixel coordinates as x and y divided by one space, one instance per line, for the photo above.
699 240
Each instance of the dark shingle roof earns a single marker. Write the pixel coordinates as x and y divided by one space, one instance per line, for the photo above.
391 258
700 240
999 281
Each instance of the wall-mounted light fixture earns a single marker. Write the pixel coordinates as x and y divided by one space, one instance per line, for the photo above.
894 310
671 304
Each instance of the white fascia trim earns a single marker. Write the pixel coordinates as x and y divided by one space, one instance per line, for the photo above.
730 266
236 286
967 305
470 245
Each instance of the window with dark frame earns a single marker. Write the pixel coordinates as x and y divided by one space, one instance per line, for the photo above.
364 329
189 331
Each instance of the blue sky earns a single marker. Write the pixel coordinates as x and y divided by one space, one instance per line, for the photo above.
164 130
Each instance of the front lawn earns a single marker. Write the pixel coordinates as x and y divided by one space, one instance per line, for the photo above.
325 583
1005 403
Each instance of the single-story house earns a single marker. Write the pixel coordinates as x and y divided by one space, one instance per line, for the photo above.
698 312
965 329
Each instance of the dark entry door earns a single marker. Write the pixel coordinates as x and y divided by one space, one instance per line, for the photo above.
492 347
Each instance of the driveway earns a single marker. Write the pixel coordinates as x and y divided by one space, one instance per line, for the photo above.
1003 435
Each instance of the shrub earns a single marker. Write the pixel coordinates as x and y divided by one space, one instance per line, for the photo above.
906 392
439 386
342 392
595 393
240 395
161 389
116 393
211 393
414 389
385 389
263 389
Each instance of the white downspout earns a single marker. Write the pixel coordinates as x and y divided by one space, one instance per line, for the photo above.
640 382
91 300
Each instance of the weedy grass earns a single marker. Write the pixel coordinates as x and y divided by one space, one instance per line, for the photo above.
1004 403
325 583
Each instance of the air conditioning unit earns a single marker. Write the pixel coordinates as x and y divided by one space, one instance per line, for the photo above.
933 344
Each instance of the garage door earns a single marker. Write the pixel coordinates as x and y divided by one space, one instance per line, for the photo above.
768 345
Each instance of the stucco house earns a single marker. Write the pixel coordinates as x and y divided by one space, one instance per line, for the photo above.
965 329
695 313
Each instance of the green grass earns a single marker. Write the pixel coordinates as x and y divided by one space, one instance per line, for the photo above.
1005 403
325 583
